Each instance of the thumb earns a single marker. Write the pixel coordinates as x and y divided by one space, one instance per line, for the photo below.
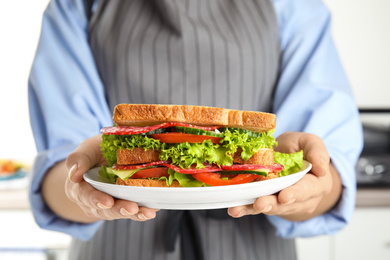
83 158
316 153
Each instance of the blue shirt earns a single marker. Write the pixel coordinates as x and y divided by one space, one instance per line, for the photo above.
313 95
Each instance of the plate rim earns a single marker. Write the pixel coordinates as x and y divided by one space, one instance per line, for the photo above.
156 200
302 172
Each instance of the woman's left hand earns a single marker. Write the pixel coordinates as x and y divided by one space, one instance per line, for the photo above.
316 193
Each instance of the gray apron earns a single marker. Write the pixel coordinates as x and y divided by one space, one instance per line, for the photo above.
206 52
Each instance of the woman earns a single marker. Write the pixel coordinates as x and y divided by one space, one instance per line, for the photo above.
264 55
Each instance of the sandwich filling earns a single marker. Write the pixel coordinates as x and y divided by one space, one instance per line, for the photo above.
193 155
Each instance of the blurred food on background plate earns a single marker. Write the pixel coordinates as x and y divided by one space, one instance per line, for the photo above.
13 174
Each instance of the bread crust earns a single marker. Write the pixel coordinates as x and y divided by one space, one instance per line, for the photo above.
146 183
145 114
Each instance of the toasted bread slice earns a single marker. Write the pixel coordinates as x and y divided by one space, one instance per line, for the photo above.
139 155
143 115
146 183
162 183
263 157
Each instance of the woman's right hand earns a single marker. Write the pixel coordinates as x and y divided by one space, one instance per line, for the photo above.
95 204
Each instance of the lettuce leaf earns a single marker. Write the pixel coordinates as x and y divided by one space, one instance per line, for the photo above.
186 154
185 180
111 143
292 162
108 177
249 145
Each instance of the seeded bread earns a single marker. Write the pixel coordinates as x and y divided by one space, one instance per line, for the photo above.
144 114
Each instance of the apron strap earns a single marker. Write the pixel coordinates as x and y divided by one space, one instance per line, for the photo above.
185 224
88 8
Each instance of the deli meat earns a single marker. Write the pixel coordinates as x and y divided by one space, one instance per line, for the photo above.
207 167
133 130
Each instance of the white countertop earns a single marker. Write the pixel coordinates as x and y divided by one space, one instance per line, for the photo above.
373 197
14 199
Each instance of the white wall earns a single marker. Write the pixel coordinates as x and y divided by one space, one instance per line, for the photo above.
20 22
361 29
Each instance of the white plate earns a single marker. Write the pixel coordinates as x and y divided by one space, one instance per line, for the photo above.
195 197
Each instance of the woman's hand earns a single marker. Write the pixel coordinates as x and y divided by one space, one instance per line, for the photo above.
82 202
316 193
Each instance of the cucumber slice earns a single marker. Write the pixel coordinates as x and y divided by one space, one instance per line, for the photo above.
241 131
196 131
157 131
125 174
263 173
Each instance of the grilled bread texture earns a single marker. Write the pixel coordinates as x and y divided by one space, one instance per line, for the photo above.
144 115
137 156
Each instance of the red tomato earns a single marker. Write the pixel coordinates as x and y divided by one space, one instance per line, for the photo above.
174 137
214 179
157 172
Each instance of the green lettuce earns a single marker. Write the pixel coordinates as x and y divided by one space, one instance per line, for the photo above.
186 154
111 143
249 145
108 177
292 162
186 180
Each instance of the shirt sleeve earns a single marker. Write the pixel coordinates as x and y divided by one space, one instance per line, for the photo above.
313 95
66 102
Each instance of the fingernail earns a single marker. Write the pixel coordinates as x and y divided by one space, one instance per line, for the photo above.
242 213
72 171
267 209
124 212
141 216
290 202
102 206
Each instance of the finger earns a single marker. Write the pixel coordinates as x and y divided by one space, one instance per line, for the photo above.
308 187
83 158
316 153
261 205
123 209
83 193
287 142
146 213
129 209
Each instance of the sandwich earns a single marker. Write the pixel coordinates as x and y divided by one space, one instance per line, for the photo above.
192 146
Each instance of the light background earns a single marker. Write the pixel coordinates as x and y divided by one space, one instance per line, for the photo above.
360 28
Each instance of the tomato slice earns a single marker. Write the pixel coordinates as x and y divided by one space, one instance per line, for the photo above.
174 137
157 172
214 179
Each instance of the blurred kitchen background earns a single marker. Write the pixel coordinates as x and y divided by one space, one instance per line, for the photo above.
361 29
